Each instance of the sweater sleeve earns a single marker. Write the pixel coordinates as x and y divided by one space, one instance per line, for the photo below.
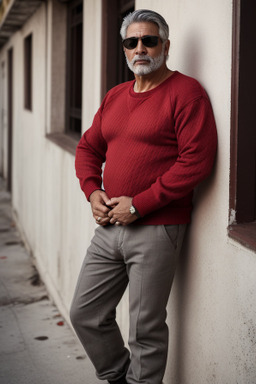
90 155
197 140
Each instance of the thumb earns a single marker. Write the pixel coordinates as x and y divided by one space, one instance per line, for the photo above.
105 197
113 201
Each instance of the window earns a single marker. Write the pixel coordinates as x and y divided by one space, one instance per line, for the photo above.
243 126
74 68
114 67
10 117
66 74
28 73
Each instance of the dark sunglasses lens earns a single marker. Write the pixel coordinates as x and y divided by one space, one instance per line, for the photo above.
150 41
147 41
130 43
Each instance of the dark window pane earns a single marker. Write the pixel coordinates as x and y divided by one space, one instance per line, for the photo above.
114 67
74 67
28 72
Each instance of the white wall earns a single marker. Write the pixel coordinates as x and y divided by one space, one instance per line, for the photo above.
212 309
49 205
3 115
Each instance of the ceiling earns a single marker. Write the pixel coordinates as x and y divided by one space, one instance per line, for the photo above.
15 15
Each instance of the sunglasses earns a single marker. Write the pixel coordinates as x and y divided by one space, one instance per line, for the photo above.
147 41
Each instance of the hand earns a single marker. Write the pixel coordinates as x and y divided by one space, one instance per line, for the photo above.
120 212
100 211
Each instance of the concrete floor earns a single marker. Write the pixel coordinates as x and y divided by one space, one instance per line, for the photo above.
36 344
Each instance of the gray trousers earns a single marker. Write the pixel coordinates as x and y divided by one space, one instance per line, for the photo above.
145 257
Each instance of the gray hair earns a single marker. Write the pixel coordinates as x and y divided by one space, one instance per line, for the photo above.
145 15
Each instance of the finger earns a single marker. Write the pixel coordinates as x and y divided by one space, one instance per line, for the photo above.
113 220
101 208
100 218
113 201
105 198
111 213
102 221
100 211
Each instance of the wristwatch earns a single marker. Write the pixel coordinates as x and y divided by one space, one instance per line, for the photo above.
134 211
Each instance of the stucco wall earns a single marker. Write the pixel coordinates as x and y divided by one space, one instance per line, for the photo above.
3 117
50 208
212 308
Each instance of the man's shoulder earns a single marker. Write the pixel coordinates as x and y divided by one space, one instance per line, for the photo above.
123 87
186 87
116 93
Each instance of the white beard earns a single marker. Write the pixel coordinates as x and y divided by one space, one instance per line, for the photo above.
154 63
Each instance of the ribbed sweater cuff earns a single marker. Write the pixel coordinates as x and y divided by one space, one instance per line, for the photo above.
145 203
89 189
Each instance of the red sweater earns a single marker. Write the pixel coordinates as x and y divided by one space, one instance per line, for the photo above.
157 145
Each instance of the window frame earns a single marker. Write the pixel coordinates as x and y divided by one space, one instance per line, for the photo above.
28 72
242 204
73 112
56 131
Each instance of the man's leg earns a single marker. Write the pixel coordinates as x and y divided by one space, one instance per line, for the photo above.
151 254
101 284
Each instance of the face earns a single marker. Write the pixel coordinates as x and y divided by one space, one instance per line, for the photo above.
143 60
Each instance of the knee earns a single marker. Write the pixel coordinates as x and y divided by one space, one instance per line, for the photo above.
74 315
81 317
77 316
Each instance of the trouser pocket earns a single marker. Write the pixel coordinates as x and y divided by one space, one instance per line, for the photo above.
171 233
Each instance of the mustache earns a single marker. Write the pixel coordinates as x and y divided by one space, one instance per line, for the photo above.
141 57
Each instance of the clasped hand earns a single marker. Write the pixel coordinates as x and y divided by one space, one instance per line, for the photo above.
111 211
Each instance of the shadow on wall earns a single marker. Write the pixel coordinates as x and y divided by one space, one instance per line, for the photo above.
184 279
192 53
186 283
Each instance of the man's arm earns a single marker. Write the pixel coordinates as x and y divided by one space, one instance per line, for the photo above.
90 155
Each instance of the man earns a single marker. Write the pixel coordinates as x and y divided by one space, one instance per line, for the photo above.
157 138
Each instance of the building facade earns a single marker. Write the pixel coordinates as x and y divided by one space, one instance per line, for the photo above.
57 60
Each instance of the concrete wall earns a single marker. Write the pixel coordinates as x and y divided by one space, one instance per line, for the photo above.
50 208
3 115
212 308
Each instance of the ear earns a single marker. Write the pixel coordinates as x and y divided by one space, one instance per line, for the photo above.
167 47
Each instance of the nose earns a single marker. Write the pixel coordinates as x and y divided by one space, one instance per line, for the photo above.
140 49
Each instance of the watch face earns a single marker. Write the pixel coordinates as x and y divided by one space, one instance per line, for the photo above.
132 210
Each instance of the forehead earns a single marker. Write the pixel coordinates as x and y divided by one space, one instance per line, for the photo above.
142 29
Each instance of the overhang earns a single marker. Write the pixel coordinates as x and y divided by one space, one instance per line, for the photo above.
14 14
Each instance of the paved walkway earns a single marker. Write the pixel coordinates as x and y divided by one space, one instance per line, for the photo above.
36 345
